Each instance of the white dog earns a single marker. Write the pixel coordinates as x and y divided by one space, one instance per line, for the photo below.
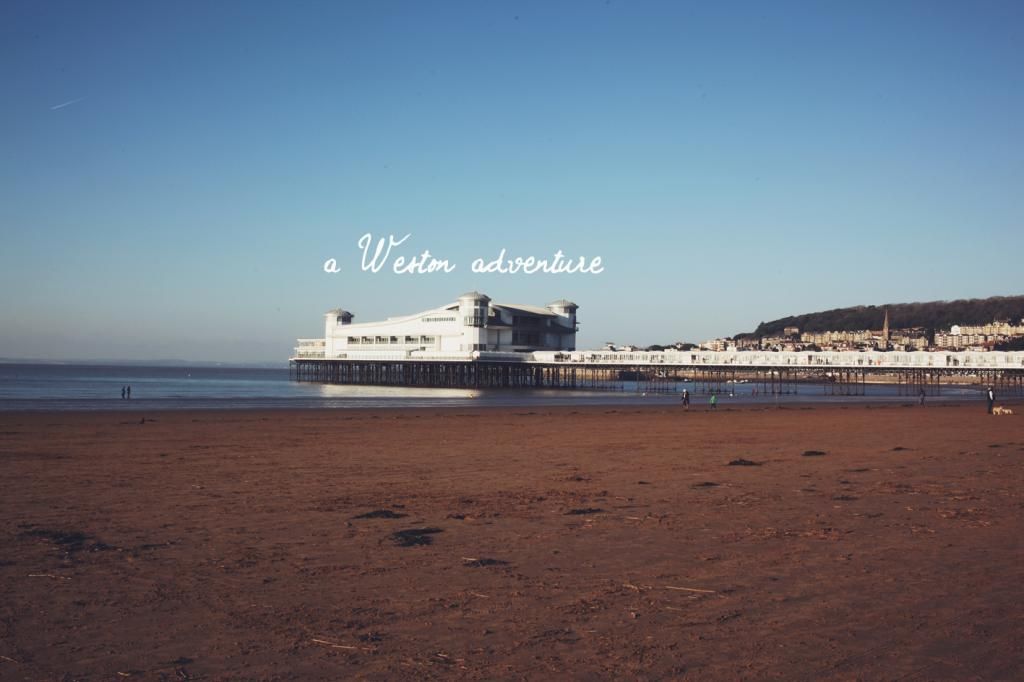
1001 410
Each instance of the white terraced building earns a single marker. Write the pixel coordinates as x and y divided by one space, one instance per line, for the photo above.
472 327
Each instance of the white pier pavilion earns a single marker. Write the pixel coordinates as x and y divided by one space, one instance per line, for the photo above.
474 327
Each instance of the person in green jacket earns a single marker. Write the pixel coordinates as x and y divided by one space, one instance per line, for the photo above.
714 401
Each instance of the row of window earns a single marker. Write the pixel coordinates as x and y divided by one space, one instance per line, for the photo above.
388 340
525 338
526 322
438 319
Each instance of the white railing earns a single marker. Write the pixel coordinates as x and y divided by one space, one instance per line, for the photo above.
964 360
844 359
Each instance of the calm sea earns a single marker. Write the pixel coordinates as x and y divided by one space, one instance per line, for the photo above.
96 387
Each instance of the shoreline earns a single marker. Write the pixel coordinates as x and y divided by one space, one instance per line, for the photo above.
629 399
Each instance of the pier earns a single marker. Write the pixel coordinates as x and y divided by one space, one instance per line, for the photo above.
769 373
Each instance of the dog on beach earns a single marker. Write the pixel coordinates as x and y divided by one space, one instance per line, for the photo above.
1001 410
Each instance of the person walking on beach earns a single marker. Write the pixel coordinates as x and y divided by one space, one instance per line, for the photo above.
921 397
122 393
714 401
991 396
686 400
129 392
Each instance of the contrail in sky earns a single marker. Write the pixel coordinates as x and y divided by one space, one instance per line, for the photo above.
66 104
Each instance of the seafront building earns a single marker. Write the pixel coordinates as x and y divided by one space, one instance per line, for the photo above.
473 327
978 336
718 345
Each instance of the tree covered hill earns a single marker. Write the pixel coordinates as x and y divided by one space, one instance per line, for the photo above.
933 315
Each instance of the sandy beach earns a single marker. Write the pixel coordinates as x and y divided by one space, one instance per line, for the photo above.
594 543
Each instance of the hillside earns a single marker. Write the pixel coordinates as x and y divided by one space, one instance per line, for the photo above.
932 315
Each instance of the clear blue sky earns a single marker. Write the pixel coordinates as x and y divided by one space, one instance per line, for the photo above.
730 162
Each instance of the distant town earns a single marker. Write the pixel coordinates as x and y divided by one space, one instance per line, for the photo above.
995 335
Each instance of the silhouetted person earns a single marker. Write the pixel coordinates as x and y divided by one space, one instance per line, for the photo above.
991 399
122 393
129 393
686 399
921 397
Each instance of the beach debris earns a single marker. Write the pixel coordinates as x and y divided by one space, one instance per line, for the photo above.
584 510
412 537
335 645
844 498
643 482
899 448
814 453
744 463
49 575
476 563
705 484
380 514
690 589
445 658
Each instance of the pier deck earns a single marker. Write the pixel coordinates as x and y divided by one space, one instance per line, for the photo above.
770 373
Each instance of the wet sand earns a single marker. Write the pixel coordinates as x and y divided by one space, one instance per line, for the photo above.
590 543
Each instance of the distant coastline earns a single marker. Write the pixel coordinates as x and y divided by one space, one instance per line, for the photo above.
107 362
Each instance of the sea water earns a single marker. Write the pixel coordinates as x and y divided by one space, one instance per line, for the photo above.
98 387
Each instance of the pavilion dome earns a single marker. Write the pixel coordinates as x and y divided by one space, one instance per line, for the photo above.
562 303
474 296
